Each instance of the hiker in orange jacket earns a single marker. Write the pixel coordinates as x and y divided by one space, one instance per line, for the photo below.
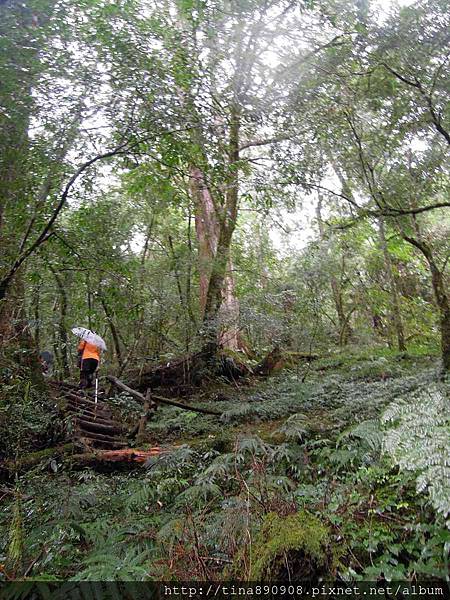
88 361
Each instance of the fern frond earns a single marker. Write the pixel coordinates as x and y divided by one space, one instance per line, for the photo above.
417 438
295 427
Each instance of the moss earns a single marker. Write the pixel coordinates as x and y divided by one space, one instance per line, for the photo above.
291 546
33 458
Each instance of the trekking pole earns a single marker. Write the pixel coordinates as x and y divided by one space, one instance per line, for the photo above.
96 387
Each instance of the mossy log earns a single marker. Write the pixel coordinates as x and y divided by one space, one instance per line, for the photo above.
33 458
123 455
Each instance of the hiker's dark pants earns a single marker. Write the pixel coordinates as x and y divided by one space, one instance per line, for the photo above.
88 368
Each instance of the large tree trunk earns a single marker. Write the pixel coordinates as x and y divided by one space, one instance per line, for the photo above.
227 217
230 336
219 305
396 317
441 297
207 230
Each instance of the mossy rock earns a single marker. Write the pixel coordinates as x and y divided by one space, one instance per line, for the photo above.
291 547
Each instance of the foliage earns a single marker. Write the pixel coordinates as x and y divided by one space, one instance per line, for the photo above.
417 439
27 416
210 497
167 165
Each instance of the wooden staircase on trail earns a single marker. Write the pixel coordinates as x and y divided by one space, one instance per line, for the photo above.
101 437
93 423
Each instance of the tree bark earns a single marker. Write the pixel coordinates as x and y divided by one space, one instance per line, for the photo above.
230 336
207 231
62 324
112 328
227 222
441 297
219 306
396 317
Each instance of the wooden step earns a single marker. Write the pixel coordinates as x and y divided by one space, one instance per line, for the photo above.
94 418
98 427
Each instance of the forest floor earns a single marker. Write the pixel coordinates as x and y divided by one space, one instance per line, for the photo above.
306 443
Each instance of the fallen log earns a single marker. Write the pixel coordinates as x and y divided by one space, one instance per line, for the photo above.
159 399
126 455
34 458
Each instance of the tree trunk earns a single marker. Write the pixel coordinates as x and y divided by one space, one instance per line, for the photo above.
207 230
112 328
62 325
441 297
396 317
227 222
345 331
230 336
219 306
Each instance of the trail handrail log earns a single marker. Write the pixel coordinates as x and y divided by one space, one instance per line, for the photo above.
161 399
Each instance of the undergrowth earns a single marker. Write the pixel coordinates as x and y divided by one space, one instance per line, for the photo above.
342 452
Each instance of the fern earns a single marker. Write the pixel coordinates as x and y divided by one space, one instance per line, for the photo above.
368 432
109 567
171 461
295 427
417 438
171 532
221 468
235 414
197 495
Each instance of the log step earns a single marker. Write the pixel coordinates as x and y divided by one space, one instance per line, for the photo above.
89 443
93 418
94 425
72 408
98 427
